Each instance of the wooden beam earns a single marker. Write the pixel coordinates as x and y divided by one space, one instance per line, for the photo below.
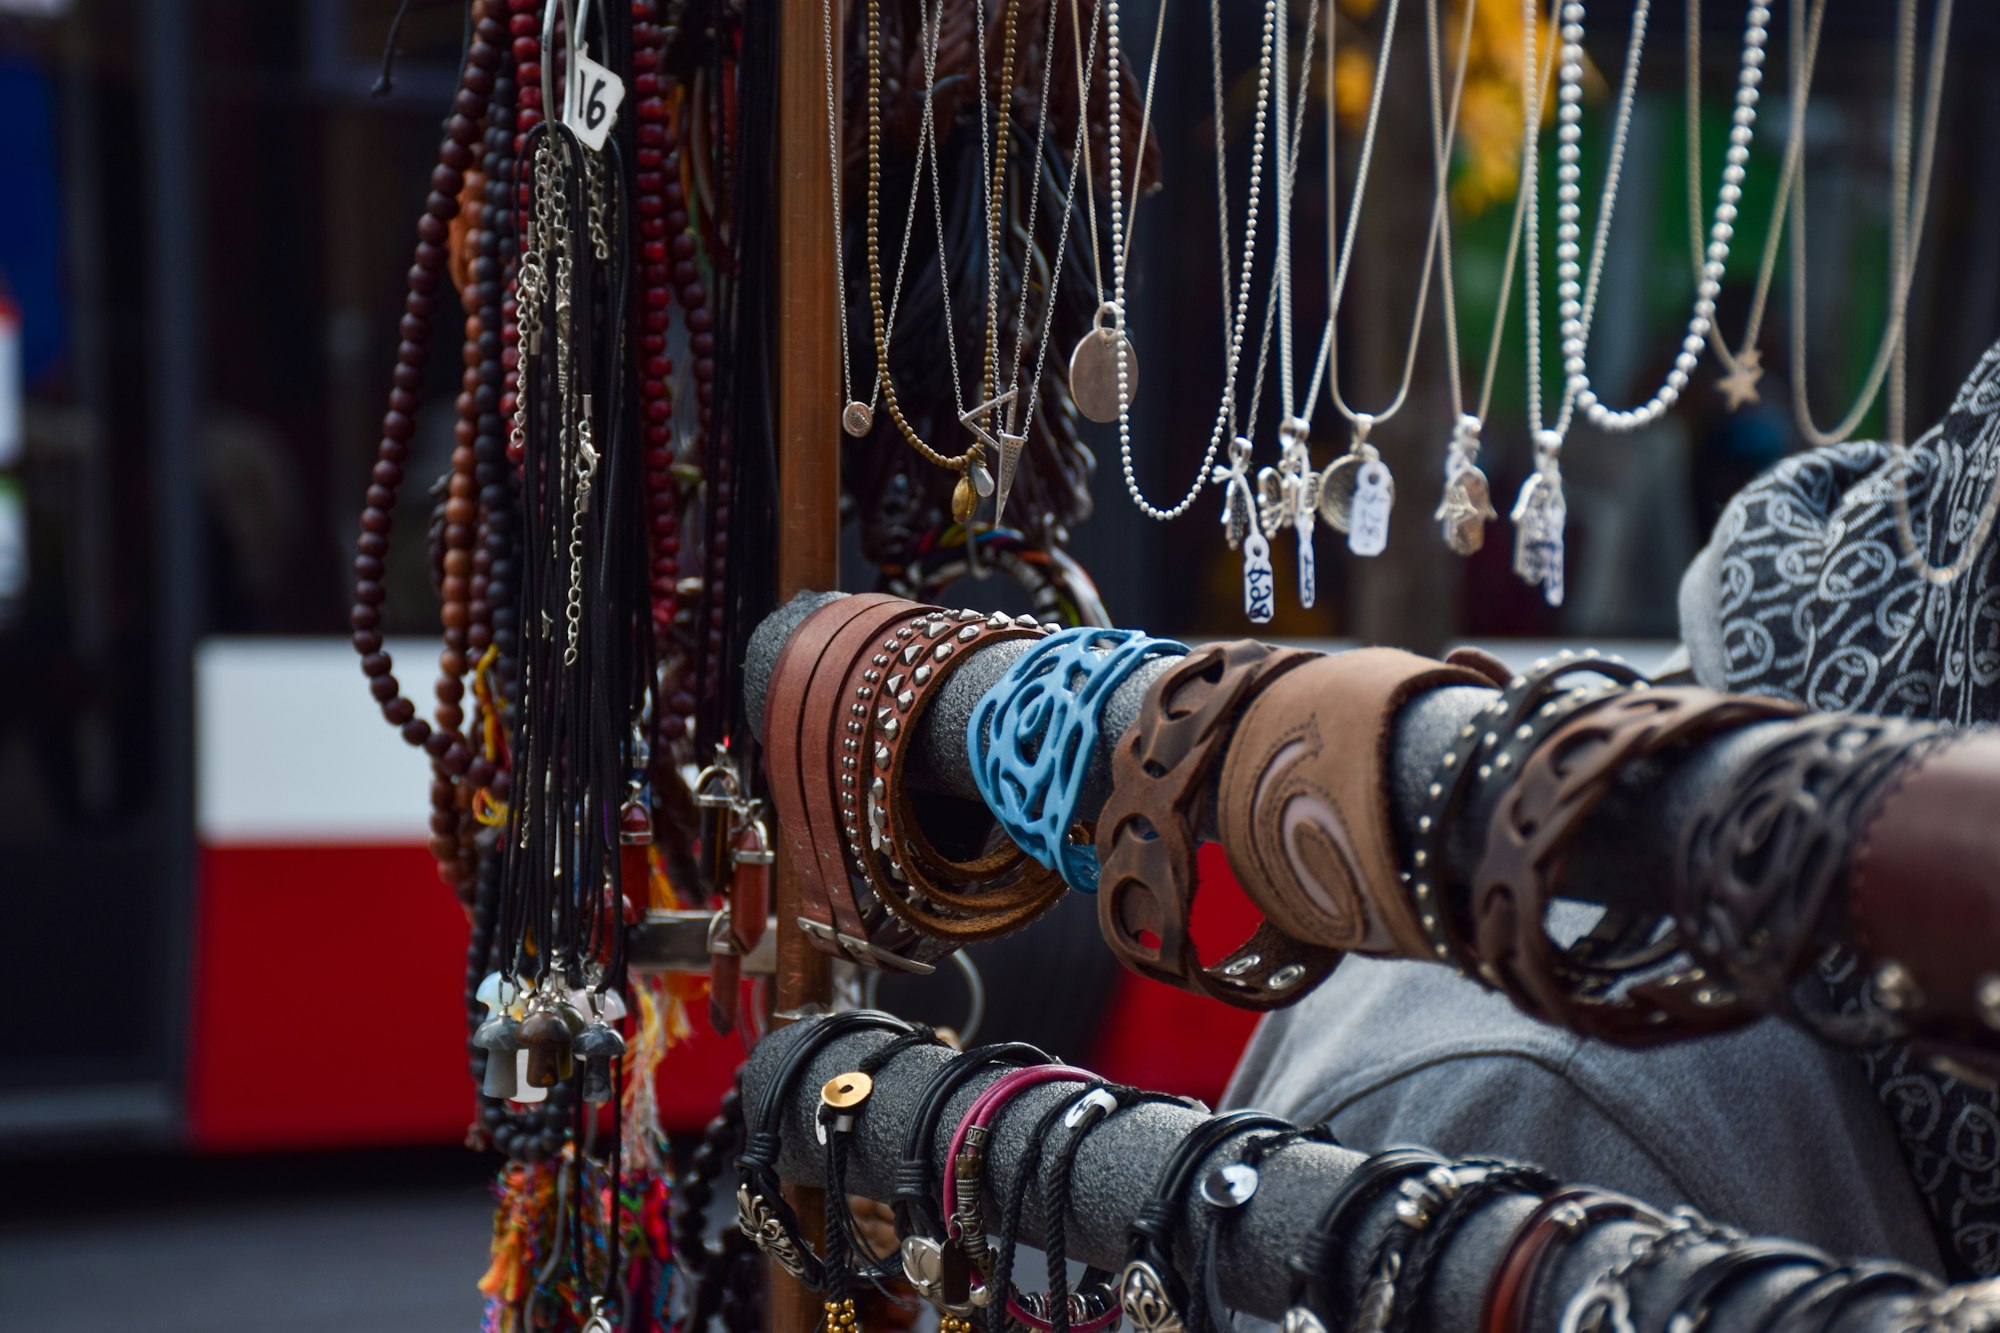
809 401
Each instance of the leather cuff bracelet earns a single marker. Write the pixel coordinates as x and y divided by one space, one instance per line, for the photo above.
1303 804
1530 836
1762 858
1510 1292
761 1211
1162 772
1921 908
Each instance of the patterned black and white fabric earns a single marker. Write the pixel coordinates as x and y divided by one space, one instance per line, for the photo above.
1803 592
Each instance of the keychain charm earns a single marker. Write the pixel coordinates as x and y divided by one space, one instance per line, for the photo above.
1240 530
1539 515
1095 368
1467 505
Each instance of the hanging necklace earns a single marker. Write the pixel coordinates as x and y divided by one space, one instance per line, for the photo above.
1014 436
1247 519
1287 494
1095 364
973 477
1357 490
1539 511
1467 504
1576 319
1906 226
857 417
1234 312
1744 367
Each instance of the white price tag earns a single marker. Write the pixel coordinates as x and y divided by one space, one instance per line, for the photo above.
1368 521
594 109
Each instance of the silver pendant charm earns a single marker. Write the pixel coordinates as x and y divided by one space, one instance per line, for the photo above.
1467 505
1094 368
1259 596
1298 1319
1143 1296
857 418
1368 512
1010 459
1539 516
599 1321
1238 500
1301 502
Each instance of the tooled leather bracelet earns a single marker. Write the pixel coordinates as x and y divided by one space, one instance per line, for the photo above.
1303 801
761 1211
959 901
1766 852
1528 841
795 718
1921 911
1510 1291
1490 745
1150 1290
1162 772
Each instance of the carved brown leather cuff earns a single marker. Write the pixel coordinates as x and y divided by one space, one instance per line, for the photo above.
1922 907
1303 802
1150 826
1529 838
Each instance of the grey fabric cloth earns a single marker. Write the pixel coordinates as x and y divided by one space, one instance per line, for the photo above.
1762 1127
1803 592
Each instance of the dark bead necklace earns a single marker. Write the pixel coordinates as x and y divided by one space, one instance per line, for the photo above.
445 744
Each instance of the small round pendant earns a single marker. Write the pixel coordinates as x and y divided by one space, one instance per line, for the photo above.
857 418
1336 490
964 499
1093 374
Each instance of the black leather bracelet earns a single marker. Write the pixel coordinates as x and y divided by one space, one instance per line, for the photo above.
1426 1243
1319 1286
915 1196
842 1101
1695 1302
1870 1279
1151 1294
761 1210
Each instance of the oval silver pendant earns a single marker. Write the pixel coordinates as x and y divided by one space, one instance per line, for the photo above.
1336 490
1093 374
857 418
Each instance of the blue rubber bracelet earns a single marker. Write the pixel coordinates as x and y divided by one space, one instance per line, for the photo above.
1042 718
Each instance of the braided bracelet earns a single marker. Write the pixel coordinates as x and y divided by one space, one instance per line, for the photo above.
1319 1299
1147 833
1032 736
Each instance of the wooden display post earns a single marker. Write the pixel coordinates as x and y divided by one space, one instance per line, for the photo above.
809 396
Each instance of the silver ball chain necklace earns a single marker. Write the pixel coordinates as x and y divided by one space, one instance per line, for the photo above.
1234 312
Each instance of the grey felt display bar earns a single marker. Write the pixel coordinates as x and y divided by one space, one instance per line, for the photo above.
1627 857
1114 1177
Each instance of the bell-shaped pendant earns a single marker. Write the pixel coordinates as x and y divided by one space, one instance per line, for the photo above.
550 1047
499 1037
597 1047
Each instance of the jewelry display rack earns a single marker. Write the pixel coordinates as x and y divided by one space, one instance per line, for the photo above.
1112 1179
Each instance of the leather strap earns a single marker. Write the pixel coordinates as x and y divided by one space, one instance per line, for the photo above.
1529 838
787 717
1303 805
1921 908
1161 774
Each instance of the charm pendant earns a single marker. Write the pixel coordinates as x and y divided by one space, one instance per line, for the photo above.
1239 529
1739 386
976 482
1539 516
1368 512
1467 505
857 418
1286 496
1095 364
1341 482
1010 459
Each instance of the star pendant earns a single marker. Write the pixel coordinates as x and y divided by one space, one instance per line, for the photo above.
1739 386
